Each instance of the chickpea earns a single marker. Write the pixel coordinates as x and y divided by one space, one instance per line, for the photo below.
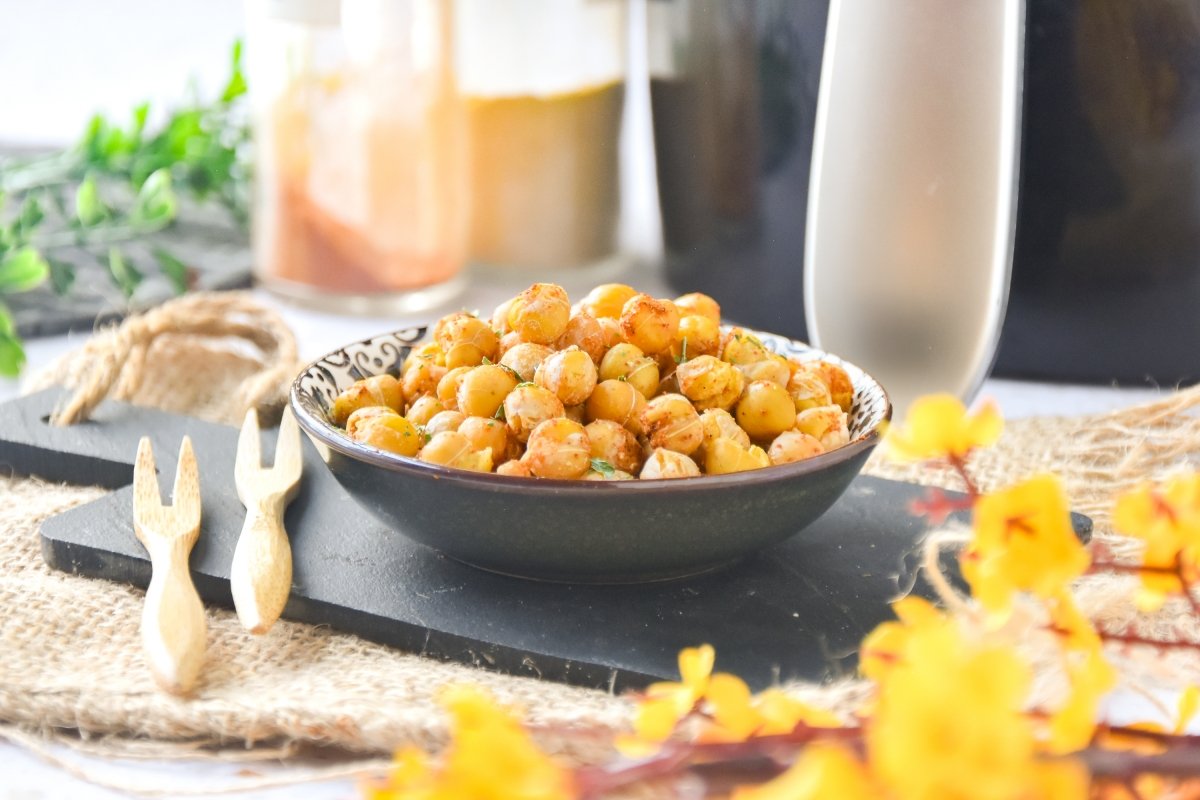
482 390
841 388
558 448
649 323
447 388
426 352
723 456
421 378
740 347
709 382
611 442
617 401
500 317
378 390
792 446
668 464
774 369
365 416
808 390
424 409
485 432
444 421
524 358
465 339
570 374
607 475
720 424
452 449
765 410
827 424
701 304
606 300
540 313
697 336
583 331
390 432
526 407
514 468
629 362
507 342
611 329
670 422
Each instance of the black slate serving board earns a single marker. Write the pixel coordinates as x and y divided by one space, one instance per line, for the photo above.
797 610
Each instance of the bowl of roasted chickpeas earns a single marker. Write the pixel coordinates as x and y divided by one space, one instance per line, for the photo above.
623 438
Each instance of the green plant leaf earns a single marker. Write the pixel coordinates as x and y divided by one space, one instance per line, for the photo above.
88 206
23 269
12 354
62 275
30 216
124 274
236 87
175 270
156 202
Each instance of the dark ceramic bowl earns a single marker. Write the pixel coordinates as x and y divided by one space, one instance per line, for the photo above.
580 531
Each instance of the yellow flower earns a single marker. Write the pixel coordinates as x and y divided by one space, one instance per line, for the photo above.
1065 779
1072 726
938 426
781 713
666 703
1077 630
884 647
1189 702
737 715
948 722
1167 519
822 771
411 778
1023 541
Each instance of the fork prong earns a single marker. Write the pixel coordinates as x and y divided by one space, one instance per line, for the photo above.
185 499
249 449
288 456
146 498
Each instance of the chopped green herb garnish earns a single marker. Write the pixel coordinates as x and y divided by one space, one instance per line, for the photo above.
511 371
499 413
524 383
682 352
603 467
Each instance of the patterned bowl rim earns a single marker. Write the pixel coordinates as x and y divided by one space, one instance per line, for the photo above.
312 416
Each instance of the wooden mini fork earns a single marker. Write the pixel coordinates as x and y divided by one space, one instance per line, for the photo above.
173 626
261 574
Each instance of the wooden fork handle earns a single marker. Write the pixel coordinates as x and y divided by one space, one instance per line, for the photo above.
173 625
261 573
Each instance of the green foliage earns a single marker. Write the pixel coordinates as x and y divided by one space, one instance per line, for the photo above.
119 183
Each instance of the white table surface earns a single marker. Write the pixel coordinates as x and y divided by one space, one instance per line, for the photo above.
23 776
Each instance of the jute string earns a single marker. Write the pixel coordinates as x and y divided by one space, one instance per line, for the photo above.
70 658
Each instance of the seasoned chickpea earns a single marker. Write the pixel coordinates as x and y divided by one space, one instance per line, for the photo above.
444 421
774 369
841 388
709 382
740 347
792 446
649 323
426 352
617 401
808 390
514 468
526 407
720 424
452 449
697 336
485 432
482 390
378 390
570 374
540 313
669 421
607 300
465 339
583 331
424 409
701 304
611 442
558 448
668 464
524 358
500 317
447 388
507 342
390 432
421 378
765 410
607 475
629 362
827 424
364 416
611 329
722 456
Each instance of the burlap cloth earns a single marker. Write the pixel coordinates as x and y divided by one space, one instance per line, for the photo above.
70 653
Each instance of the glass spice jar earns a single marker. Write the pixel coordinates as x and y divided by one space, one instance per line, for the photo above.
360 152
